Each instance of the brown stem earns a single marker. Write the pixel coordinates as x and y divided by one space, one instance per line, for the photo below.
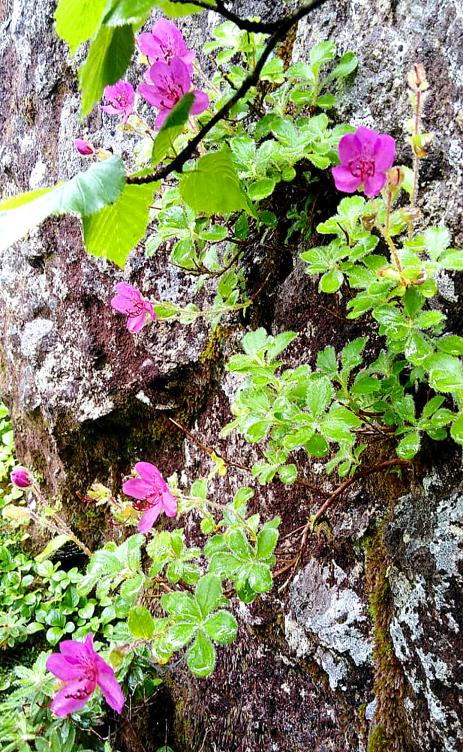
279 32
348 482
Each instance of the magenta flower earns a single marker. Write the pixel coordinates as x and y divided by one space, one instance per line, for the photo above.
82 670
365 158
153 495
120 98
164 43
166 85
83 147
130 301
21 477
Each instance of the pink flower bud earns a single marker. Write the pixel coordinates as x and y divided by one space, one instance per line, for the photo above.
83 147
21 477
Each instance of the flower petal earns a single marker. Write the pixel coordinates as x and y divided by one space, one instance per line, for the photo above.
149 473
180 74
374 184
149 518
63 702
136 323
169 504
367 139
137 488
62 668
344 180
110 686
349 148
73 649
161 118
201 102
384 153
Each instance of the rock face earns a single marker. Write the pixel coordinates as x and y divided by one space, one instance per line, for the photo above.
363 649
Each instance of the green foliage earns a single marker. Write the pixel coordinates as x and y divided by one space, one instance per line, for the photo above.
115 230
84 195
212 186
109 55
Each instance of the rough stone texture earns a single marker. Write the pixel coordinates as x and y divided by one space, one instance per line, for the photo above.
87 399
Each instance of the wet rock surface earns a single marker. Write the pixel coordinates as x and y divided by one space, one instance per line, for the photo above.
87 399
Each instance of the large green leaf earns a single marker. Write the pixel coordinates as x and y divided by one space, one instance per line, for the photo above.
213 186
78 20
115 230
128 12
85 194
175 10
172 128
107 61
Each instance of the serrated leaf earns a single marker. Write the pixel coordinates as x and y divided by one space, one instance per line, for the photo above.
115 230
141 623
213 186
208 593
200 656
347 64
85 194
108 58
221 627
456 430
260 578
128 12
78 20
409 445
266 542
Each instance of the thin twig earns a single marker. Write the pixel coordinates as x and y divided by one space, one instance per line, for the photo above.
281 29
264 27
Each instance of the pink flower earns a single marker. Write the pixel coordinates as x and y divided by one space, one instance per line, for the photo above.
365 158
83 147
153 494
164 43
130 301
82 670
121 97
166 85
21 477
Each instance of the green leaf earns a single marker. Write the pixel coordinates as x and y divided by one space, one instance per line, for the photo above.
141 623
331 281
176 10
183 606
409 445
239 544
287 474
213 186
115 230
322 53
128 12
319 395
200 657
52 546
78 20
180 634
451 344
266 542
208 593
347 64
221 627
452 259
260 578
107 60
456 430
85 194
261 189
173 127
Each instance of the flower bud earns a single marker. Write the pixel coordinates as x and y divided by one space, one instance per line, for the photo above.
21 477
395 177
83 147
417 78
